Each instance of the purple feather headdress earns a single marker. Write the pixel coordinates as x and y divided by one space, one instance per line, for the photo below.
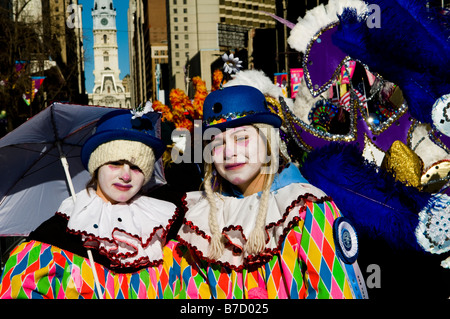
410 48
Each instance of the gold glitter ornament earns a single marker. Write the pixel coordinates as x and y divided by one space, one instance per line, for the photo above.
404 164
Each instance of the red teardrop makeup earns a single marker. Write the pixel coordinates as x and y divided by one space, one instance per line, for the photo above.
119 182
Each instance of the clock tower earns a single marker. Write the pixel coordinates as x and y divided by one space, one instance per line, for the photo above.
108 89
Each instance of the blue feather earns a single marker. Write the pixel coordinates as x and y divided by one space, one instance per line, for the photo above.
377 204
409 33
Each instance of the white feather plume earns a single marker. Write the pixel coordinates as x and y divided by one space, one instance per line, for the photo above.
147 108
259 80
318 18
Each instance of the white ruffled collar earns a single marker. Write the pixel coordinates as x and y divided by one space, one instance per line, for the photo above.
130 235
236 218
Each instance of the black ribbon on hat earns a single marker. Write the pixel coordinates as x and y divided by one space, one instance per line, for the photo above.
141 123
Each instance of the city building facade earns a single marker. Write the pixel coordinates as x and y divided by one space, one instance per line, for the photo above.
147 25
136 52
202 30
108 88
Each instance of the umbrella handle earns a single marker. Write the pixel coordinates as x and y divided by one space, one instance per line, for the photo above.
97 282
65 165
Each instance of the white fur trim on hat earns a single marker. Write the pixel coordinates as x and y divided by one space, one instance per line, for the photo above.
134 152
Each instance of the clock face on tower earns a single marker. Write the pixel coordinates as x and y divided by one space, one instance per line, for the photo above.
104 21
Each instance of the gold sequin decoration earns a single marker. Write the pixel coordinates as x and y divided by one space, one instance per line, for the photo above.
275 106
404 164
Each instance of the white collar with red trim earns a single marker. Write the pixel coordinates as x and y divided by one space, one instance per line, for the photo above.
236 218
130 235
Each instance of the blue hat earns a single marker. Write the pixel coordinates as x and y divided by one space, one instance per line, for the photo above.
122 125
236 106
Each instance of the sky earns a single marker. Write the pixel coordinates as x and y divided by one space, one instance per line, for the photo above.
122 39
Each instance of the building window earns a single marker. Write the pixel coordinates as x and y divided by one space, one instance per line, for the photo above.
105 56
185 19
105 39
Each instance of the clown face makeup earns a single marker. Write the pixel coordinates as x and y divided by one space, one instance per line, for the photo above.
238 155
118 182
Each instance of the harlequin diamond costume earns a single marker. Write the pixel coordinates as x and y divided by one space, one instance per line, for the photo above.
309 249
126 239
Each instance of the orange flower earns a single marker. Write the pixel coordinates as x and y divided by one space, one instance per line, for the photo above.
217 79
185 123
164 109
179 98
181 106
184 110
199 98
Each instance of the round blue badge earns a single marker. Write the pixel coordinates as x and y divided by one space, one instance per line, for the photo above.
346 240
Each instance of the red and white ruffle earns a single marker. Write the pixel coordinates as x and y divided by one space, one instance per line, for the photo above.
130 235
236 218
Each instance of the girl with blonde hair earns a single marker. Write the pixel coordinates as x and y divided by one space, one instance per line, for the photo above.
259 229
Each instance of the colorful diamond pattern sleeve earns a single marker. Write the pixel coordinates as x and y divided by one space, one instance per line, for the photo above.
37 270
305 265
185 278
